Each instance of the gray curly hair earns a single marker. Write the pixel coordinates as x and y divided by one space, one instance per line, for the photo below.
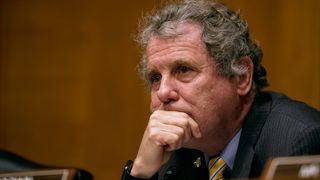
225 34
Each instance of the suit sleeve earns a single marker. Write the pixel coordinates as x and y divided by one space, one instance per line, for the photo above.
126 176
126 173
307 142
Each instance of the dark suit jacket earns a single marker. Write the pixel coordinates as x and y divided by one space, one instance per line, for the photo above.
275 126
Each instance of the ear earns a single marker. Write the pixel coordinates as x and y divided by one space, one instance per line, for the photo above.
244 81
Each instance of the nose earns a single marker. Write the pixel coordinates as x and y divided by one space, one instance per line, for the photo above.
167 91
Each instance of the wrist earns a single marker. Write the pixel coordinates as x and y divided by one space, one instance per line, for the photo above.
127 173
140 170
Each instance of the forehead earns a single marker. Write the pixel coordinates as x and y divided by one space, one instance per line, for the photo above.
186 45
188 31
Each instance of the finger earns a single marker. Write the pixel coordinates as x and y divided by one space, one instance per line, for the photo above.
181 128
167 135
183 131
195 129
180 119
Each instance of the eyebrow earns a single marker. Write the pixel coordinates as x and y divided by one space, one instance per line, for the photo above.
178 62
192 64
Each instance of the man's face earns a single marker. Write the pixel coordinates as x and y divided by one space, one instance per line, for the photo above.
183 78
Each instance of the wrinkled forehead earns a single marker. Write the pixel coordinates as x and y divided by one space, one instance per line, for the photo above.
186 30
172 29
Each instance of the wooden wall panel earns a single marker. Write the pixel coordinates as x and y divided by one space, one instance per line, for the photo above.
69 93
289 33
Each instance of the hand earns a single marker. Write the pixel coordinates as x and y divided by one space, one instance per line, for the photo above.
166 132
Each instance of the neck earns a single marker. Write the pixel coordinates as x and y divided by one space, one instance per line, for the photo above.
216 145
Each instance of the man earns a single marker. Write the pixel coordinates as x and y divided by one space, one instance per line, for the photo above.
207 108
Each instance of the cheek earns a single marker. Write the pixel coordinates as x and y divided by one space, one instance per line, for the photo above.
155 102
214 99
223 100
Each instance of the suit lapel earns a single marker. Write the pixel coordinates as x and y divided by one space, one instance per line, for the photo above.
251 130
243 161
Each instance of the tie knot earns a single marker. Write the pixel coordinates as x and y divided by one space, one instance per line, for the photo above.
216 168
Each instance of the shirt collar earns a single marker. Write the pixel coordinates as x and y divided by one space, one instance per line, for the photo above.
229 152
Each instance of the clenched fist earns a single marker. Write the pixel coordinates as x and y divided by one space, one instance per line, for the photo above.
166 131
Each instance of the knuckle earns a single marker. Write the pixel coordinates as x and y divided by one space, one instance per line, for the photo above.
152 118
180 132
152 133
152 123
185 115
175 138
184 122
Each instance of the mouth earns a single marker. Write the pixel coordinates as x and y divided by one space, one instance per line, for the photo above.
170 108
183 111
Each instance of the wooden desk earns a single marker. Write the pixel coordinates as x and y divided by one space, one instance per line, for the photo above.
297 167
50 174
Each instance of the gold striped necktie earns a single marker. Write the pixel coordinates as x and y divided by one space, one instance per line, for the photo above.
216 168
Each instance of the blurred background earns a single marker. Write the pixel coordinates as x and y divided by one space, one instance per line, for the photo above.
69 91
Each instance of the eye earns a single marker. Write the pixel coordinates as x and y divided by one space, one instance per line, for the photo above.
185 73
184 69
155 78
